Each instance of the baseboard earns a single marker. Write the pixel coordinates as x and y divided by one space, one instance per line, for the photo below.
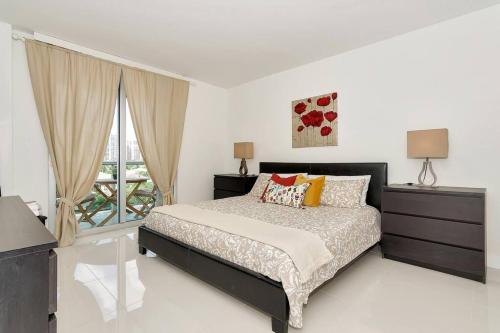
84 234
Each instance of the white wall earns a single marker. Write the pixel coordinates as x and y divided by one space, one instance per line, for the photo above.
446 75
27 165
6 182
30 158
203 142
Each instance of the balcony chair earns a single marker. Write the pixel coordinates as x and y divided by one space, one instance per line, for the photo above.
147 199
84 208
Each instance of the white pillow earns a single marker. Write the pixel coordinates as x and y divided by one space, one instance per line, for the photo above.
343 193
366 178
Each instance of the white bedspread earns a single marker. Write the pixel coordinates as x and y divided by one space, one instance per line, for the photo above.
306 249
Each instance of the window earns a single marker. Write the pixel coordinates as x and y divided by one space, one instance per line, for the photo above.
123 191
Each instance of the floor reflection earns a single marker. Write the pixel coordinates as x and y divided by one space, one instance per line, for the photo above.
106 286
105 275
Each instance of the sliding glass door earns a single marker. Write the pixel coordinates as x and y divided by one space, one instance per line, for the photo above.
140 192
123 191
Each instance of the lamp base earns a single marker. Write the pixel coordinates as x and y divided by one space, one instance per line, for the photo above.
243 167
426 166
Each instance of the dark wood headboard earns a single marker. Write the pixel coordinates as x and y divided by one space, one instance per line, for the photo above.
378 171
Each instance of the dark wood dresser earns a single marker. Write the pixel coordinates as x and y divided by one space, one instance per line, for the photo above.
232 185
28 271
439 228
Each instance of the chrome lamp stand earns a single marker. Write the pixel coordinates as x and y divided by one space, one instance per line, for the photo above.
427 167
243 167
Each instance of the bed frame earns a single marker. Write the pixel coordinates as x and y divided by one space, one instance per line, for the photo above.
248 286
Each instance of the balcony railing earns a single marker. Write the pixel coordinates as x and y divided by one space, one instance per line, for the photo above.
100 207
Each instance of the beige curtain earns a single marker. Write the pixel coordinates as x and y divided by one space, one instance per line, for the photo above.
75 96
158 105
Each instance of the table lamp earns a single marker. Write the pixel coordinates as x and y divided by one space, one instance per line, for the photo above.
243 150
432 143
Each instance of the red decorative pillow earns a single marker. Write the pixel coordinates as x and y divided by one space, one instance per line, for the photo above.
288 181
285 181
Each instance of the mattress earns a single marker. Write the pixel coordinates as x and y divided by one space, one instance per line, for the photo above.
347 232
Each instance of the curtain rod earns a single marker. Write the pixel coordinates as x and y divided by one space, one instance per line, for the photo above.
22 37
18 37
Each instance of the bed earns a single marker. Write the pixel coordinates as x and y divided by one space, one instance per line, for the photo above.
259 274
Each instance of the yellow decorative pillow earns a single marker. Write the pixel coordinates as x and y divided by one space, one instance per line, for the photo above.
313 194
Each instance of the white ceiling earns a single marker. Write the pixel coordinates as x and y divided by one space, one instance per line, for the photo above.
228 42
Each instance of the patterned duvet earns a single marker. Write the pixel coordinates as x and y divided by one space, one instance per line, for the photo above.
347 232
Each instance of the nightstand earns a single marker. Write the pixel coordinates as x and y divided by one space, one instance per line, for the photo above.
231 185
439 228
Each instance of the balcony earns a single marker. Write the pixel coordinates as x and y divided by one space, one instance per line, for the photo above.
100 207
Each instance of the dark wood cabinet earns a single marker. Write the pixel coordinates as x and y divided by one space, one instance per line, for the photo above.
28 271
43 219
231 185
439 228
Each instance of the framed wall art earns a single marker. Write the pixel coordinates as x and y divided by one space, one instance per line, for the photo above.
315 121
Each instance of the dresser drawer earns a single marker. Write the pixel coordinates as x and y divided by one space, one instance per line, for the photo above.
442 231
52 281
230 184
441 257
460 208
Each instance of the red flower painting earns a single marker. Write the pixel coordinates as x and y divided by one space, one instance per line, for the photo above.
331 116
323 101
313 118
325 130
306 120
316 118
300 108
315 121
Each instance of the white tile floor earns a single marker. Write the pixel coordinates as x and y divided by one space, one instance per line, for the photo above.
106 286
